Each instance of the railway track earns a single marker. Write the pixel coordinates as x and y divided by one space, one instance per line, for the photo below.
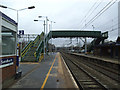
107 77
111 73
83 78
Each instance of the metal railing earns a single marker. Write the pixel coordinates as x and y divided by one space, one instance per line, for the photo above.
97 41
39 50
26 48
40 47
36 39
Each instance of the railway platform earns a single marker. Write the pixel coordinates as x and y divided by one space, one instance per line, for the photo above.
49 73
107 62
111 60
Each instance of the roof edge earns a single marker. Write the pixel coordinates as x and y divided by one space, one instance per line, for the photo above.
7 18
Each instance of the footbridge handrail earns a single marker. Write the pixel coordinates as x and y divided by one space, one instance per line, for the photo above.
26 48
97 41
36 39
39 50
40 47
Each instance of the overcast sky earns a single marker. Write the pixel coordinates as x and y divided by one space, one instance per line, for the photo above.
67 14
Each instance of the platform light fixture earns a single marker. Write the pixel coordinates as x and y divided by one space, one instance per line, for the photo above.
31 7
3 6
46 21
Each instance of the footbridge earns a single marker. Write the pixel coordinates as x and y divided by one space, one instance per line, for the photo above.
75 33
37 46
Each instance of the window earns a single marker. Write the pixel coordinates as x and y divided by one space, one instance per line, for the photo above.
8 42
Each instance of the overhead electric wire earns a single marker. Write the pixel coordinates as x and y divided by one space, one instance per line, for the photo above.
110 28
102 12
93 10
112 25
90 21
115 19
89 11
99 13
114 29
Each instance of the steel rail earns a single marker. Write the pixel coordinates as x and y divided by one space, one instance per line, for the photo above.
100 85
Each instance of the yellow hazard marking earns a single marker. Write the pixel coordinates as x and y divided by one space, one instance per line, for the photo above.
18 44
41 57
34 54
27 48
48 74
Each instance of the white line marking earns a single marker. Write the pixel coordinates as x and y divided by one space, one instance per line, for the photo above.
70 73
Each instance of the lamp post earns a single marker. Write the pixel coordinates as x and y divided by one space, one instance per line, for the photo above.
46 22
46 28
31 7
51 30
44 35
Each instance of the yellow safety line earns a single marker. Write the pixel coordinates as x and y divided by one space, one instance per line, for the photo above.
48 74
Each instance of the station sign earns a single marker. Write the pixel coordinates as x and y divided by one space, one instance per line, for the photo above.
21 32
6 62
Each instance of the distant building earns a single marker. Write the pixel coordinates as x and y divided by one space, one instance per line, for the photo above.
110 49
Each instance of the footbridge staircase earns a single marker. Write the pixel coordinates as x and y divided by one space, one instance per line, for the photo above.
28 52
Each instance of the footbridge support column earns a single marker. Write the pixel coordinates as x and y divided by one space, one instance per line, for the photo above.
85 45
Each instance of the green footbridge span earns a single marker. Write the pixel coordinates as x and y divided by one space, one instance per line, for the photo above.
33 51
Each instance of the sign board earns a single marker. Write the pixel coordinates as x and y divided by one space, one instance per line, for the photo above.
6 62
21 32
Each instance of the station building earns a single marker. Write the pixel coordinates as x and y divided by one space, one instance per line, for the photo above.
8 48
111 49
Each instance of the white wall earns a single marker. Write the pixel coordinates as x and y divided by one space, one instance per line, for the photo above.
7 24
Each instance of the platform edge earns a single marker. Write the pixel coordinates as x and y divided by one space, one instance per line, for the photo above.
71 76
